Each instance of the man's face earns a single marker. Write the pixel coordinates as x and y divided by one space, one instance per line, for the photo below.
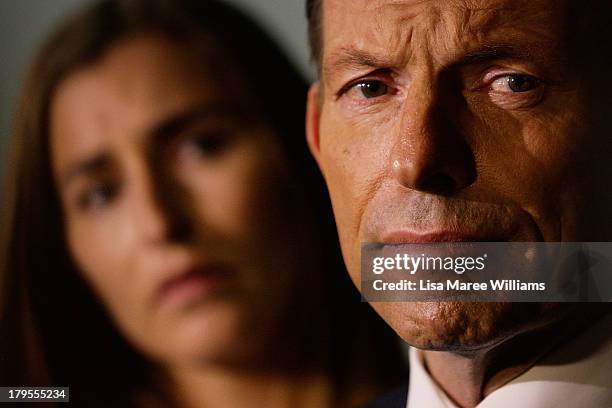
457 121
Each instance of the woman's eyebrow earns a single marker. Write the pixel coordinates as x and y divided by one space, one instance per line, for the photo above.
86 167
179 121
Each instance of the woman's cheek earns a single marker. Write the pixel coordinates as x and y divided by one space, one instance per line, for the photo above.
233 196
101 251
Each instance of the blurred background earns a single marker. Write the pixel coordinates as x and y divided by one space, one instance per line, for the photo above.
24 24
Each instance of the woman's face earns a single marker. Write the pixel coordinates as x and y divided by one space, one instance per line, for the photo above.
175 200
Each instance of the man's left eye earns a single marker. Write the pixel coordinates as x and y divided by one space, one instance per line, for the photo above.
515 83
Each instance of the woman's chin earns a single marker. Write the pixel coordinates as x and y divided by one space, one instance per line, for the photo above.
202 334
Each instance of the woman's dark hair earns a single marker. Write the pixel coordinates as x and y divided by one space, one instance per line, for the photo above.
53 330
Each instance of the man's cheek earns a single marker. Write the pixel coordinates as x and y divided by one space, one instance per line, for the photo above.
339 165
539 171
339 181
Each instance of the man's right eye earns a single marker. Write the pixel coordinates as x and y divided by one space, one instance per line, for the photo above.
372 88
360 91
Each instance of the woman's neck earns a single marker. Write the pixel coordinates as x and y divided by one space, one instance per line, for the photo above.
196 387
287 372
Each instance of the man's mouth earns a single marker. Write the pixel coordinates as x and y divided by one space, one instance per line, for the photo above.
399 237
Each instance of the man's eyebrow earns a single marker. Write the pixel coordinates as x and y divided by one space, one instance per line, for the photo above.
494 52
348 58
88 166
353 59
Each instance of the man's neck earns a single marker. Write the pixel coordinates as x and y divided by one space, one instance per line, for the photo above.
467 378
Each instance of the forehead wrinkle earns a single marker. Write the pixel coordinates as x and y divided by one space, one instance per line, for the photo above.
480 20
477 19
380 45
470 25
392 5
403 13
445 29
386 37
474 14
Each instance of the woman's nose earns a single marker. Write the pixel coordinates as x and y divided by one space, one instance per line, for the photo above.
158 215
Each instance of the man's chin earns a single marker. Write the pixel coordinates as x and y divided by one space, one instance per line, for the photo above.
463 326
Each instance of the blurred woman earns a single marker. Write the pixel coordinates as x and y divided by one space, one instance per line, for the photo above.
167 239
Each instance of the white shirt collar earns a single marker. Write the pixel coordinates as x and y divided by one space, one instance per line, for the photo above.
577 374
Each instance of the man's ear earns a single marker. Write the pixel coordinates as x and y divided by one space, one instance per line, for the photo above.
313 113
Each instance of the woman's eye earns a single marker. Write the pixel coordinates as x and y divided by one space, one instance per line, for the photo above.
372 88
515 83
97 196
208 144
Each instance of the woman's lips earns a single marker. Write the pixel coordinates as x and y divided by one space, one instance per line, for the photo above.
192 285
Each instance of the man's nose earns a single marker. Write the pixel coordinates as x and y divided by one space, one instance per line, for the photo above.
430 153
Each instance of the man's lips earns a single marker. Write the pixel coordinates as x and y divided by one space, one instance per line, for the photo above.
192 284
398 237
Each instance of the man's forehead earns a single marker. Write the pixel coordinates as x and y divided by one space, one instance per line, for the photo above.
389 24
414 7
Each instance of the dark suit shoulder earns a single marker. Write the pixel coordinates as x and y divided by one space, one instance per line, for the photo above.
394 399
